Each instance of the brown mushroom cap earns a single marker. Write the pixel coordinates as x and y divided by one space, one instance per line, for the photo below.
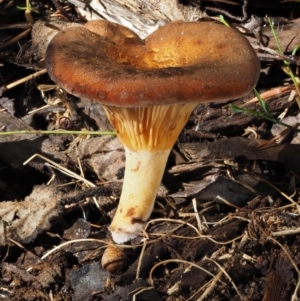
179 63
148 90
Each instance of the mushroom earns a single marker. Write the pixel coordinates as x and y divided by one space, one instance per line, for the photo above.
148 89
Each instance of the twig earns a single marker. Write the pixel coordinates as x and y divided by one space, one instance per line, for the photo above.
178 261
146 238
210 287
25 79
227 14
172 221
16 38
56 249
61 169
228 277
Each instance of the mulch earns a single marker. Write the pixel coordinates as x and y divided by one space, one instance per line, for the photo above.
226 222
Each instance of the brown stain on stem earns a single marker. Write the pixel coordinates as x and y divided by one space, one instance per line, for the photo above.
137 166
130 212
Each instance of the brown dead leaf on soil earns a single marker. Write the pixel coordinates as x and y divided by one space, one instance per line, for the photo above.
23 221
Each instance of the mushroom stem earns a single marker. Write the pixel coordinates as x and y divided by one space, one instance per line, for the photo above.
148 135
143 174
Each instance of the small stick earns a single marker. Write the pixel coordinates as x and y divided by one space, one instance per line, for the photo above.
199 223
57 248
190 264
16 38
211 286
227 14
228 277
25 79
145 240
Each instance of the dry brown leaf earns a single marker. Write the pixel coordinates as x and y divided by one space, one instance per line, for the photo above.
105 155
23 221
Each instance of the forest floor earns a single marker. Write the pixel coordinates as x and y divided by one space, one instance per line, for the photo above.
226 224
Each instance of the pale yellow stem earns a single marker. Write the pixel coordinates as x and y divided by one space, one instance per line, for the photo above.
143 174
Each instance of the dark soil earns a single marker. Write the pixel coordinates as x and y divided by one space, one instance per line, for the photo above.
226 225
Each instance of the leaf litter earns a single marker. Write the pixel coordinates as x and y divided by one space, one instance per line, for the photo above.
240 241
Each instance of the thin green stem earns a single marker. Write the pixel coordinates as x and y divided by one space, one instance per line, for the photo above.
267 115
296 49
275 36
286 63
223 21
56 132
